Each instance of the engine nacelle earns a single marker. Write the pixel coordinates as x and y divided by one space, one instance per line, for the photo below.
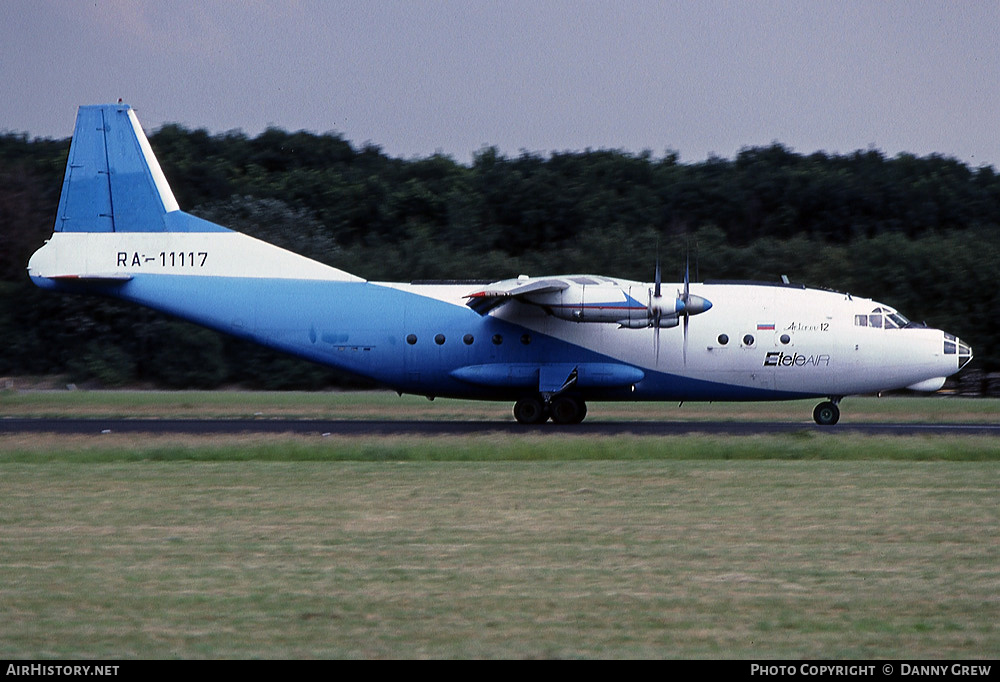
665 323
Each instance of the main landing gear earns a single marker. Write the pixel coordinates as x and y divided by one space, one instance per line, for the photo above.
563 409
827 414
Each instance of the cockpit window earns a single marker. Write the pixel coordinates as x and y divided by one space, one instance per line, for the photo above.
900 321
882 318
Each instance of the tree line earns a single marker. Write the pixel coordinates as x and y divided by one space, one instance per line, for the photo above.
919 233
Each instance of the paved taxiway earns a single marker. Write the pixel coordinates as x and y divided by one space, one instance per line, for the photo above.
464 428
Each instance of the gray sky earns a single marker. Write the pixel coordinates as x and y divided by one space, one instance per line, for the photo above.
417 77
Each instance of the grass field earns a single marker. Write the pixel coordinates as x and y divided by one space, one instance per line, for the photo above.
387 405
799 545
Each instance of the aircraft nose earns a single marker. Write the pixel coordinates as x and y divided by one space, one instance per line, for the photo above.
955 346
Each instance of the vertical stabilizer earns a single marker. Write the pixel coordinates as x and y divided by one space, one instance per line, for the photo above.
113 182
118 222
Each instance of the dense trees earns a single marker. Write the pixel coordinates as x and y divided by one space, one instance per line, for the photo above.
920 233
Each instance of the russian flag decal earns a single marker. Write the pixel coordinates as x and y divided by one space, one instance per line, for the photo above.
765 326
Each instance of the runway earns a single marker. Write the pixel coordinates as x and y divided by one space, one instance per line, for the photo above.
467 428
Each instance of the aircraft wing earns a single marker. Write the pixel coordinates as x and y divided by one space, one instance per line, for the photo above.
504 292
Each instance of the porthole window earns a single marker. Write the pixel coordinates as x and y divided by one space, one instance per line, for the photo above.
526 339
468 339
497 339
723 339
786 339
748 340
411 339
439 339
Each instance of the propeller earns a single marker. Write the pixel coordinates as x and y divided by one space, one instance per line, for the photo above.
656 309
661 314
692 304
686 304
686 299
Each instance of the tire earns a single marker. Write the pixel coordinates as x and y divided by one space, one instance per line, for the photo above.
529 411
568 410
826 414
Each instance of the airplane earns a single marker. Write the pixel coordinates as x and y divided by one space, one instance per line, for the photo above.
551 344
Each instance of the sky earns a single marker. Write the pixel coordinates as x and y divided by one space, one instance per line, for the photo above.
698 78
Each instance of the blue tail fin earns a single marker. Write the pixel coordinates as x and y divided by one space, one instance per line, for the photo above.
113 181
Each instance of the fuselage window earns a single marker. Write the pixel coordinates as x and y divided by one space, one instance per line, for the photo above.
439 339
860 320
875 321
497 339
468 339
526 339
723 339
748 340
411 339
786 339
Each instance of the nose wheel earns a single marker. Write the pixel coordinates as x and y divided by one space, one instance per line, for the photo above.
827 414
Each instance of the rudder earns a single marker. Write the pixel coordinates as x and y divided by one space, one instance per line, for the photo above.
113 182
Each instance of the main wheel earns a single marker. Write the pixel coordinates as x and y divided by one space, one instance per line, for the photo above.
529 411
826 414
568 410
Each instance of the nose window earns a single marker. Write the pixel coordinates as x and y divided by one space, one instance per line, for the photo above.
953 345
964 354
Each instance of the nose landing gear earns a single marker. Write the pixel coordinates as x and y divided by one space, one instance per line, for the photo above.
827 413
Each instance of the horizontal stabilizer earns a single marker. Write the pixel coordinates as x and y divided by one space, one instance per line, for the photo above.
110 277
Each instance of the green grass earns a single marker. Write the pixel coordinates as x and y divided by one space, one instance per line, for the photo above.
492 447
387 405
813 544
813 559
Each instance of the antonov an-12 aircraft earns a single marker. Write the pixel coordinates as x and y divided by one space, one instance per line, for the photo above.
550 344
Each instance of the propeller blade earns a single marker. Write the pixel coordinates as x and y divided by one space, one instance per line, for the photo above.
687 279
686 300
684 350
656 309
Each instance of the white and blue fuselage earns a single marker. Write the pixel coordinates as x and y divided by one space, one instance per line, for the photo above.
550 343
